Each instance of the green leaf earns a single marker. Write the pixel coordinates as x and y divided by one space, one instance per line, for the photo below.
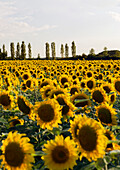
79 101
2 120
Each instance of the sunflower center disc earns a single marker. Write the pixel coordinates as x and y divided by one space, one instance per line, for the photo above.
104 115
97 96
46 112
22 106
87 138
60 154
63 80
5 100
117 86
73 90
14 155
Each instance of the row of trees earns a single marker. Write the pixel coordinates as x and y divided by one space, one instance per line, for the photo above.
64 51
20 51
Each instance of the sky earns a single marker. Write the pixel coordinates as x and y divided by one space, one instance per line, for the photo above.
89 23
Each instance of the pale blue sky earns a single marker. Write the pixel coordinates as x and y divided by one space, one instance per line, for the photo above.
90 23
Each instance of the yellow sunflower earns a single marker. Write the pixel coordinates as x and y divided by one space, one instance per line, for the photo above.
24 105
67 106
107 87
60 153
80 96
57 91
48 113
99 95
63 79
15 121
74 127
90 83
17 152
45 91
112 97
90 138
106 114
74 89
6 100
112 146
26 75
117 85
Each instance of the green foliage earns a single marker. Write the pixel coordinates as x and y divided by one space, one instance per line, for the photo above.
47 51
12 50
73 48
29 51
53 50
66 51
62 50
23 50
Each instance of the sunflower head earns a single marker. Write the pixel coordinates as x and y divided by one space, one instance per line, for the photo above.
15 121
17 152
48 113
99 95
112 146
60 153
80 96
90 138
117 85
24 105
6 100
106 114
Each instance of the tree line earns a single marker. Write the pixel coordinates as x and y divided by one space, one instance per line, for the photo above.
20 51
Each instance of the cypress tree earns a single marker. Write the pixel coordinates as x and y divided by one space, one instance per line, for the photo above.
12 50
23 50
66 51
47 51
53 50
18 51
62 50
29 51
73 48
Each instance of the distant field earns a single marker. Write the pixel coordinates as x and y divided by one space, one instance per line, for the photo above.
60 114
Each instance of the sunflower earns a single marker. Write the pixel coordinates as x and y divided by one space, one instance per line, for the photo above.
112 97
74 89
107 87
17 152
60 153
117 85
24 105
63 79
74 127
89 74
23 87
90 138
80 96
45 91
45 82
112 146
6 100
90 83
26 75
106 114
99 95
67 106
48 113
15 121
57 91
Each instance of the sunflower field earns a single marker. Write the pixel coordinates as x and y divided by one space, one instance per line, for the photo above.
60 115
